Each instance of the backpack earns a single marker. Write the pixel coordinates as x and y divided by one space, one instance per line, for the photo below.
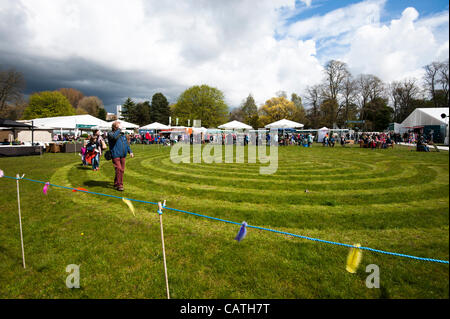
108 156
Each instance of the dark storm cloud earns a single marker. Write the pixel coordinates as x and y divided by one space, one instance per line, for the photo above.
91 78
112 86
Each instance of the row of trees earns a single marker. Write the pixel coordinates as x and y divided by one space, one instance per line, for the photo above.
65 101
147 112
276 108
198 102
338 100
341 97
208 104
61 103
92 105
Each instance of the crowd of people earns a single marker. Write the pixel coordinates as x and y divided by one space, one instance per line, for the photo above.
376 140
147 138
65 138
385 140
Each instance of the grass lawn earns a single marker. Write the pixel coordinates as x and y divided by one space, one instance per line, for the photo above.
395 200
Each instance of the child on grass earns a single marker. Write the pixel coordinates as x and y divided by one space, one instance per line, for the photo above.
83 152
92 156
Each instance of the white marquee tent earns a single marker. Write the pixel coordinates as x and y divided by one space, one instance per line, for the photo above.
155 126
426 116
125 124
421 117
73 122
284 124
197 130
235 125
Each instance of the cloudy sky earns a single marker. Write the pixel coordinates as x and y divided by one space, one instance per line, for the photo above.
115 48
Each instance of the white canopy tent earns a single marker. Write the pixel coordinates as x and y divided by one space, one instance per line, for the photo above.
235 125
197 130
321 133
155 126
284 123
125 124
72 122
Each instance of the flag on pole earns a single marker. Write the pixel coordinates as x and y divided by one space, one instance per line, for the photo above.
130 205
242 232
79 189
353 259
45 189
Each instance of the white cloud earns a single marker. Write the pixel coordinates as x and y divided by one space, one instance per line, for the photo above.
307 2
397 50
227 44
237 46
391 51
338 21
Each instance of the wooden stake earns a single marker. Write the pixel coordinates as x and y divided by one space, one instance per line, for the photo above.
163 248
20 220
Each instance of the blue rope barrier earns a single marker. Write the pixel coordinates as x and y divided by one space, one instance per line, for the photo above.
249 226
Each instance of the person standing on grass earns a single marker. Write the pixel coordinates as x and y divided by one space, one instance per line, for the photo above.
332 141
310 139
119 148
100 145
343 140
92 152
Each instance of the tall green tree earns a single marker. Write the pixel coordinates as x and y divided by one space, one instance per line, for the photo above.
328 112
48 104
203 103
250 112
237 115
275 109
159 109
73 95
142 112
378 114
90 104
102 114
129 110
300 114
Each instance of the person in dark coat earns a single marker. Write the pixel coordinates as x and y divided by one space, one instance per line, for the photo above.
119 148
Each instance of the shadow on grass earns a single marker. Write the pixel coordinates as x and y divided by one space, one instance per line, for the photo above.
89 167
105 184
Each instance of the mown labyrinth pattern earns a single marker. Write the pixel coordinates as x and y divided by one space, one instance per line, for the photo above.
385 199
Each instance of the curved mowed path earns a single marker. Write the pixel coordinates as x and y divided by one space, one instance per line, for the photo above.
395 200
